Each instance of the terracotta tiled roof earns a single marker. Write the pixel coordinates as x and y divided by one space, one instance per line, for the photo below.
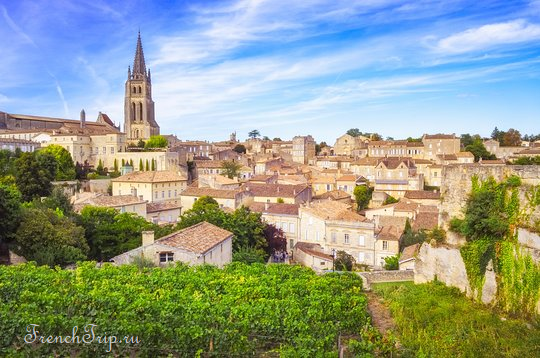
275 208
415 144
369 161
214 193
333 195
198 238
422 194
439 136
161 206
464 155
394 162
389 233
492 162
274 190
425 221
150 177
19 141
324 180
409 252
422 161
406 206
530 151
349 177
447 156
313 250
333 210
110 201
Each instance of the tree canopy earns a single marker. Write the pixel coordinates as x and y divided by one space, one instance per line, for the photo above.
156 141
240 148
10 209
479 151
254 134
34 174
231 168
362 195
65 168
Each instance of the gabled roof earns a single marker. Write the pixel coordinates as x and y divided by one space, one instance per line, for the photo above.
409 253
161 206
214 193
313 250
333 195
439 136
199 238
150 177
422 194
333 210
275 190
275 208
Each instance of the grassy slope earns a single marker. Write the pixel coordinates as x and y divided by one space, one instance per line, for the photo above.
438 321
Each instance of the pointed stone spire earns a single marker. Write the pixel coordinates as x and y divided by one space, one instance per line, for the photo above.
139 67
129 72
149 76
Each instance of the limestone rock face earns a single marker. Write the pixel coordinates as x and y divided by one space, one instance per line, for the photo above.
444 263
489 291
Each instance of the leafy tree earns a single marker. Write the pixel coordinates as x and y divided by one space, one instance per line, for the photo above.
49 239
467 139
123 162
277 139
391 262
266 138
511 138
110 233
65 169
437 234
82 170
156 141
147 166
247 227
240 148
527 161
131 162
362 195
275 237
140 143
57 200
99 169
10 208
231 168
354 132
115 164
497 134
411 237
249 255
375 136
254 134
317 149
141 167
280 200
479 151
390 200
414 140
34 175
153 165
344 261
323 145
7 162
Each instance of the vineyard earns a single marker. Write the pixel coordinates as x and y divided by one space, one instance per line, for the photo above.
239 311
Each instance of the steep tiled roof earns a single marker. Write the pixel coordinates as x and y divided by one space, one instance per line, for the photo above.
214 193
403 205
464 155
109 201
333 195
274 190
275 208
447 156
198 238
313 250
333 210
324 180
161 206
409 253
150 177
422 194
425 221
394 162
389 233
349 177
209 163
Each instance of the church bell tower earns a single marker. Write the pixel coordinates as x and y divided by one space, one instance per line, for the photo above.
139 119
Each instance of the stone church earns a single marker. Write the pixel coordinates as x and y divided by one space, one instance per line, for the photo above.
139 118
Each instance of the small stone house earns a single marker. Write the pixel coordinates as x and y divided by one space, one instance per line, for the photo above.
202 243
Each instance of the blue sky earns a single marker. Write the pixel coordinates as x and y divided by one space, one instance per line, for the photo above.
284 67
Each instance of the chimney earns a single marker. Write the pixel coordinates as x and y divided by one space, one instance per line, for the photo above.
147 238
141 198
83 118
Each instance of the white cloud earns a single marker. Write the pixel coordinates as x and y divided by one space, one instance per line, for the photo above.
488 36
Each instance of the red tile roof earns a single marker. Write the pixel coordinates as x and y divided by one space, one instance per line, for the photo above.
198 238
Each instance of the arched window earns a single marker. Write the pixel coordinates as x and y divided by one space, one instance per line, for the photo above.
133 112
140 90
134 89
140 112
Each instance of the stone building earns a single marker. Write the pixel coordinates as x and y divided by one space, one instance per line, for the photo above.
303 149
139 117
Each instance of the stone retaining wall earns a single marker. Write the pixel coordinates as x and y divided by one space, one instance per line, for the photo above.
385 276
